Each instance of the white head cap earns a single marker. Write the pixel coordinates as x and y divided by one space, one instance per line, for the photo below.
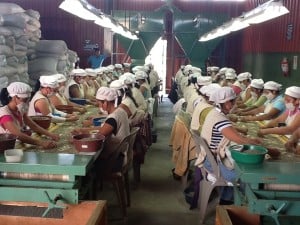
204 80
60 77
272 85
107 94
118 66
78 72
138 68
223 70
48 81
293 91
196 70
140 75
244 76
187 70
222 95
127 65
117 84
214 69
257 83
127 78
19 89
230 75
209 89
91 72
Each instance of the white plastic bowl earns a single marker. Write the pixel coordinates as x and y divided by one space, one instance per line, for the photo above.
13 155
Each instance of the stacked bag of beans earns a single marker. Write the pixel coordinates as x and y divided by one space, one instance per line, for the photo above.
16 27
23 56
51 56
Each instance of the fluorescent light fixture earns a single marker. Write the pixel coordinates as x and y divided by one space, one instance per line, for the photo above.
265 12
76 8
84 10
262 13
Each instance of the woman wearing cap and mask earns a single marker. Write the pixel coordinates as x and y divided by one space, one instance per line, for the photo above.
257 98
60 99
141 77
116 126
291 116
218 131
40 104
272 108
129 80
74 87
13 118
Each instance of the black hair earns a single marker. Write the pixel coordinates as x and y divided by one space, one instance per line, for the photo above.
137 85
4 96
128 93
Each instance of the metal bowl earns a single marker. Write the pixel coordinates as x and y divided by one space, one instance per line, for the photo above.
88 142
7 141
42 121
249 154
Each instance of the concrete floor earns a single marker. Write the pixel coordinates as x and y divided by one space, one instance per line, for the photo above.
158 200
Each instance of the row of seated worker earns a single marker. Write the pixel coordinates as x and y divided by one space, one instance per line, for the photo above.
19 102
216 102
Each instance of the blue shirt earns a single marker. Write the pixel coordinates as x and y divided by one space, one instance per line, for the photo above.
96 61
277 103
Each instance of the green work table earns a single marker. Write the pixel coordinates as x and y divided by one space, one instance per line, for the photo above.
42 175
271 190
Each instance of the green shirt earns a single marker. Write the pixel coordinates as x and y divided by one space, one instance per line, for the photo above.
256 102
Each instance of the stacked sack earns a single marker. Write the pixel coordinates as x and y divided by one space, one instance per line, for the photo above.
51 57
17 27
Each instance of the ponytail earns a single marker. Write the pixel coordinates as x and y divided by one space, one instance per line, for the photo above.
4 96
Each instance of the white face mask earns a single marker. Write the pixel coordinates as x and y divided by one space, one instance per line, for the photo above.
253 94
243 86
61 89
290 106
23 107
270 96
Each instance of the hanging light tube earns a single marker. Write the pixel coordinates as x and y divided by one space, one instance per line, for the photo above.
77 8
262 13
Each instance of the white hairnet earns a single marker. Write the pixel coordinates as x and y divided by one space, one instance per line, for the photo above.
48 81
118 66
107 94
272 85
257 83
293 91
204 80
214 68
244 76
140 75
209 89
127 65
91 72
117 84
230 75
19 89
78 72
60 77
222 95
127 78
194 75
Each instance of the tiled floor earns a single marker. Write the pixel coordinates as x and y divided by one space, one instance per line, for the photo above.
158 200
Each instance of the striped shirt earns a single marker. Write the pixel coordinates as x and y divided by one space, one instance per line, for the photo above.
217 135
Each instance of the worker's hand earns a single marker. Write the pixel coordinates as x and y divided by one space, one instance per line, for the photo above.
78 131
72 117
261 133
82 110
291 146
48 144
245 118
54 137
87 123
255 141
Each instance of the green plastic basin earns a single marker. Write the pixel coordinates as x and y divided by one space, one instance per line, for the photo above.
249 154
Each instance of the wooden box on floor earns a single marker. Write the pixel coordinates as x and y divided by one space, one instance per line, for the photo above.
235 215
85 213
